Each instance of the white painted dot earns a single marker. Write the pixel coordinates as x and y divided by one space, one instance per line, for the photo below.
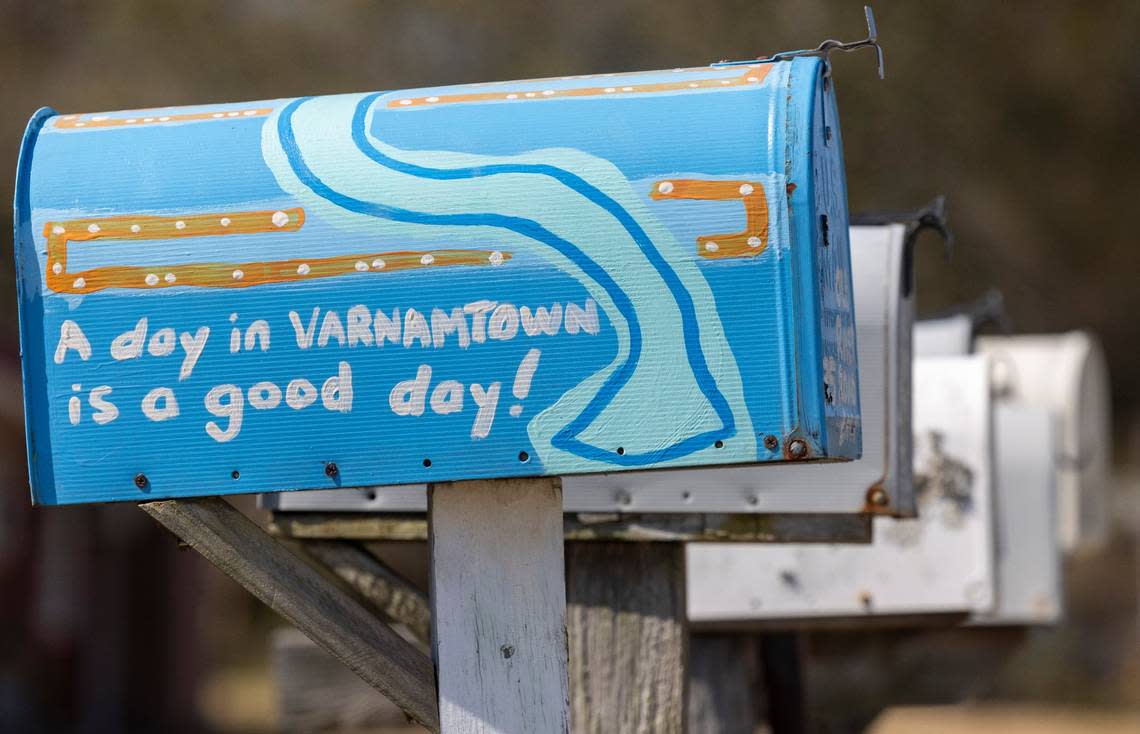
238 275
515 411
69 117
627 89
169 278
405 101
530 94
725 82
81 124
217 114
496 258
677 70
361 266
303 269
427 259
712 246
610 90
665 187
378 264
754 241
180 224
693 85
250 113
164 118
745 189
93 228
280 219
224 221
148 119
99 118
433 99
136 228
547 92
131 121
57 268
232 114
57 229
753 79
79 283
512 96
151 279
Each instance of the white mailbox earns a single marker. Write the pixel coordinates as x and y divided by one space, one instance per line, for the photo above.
940 562
880 479
1066 374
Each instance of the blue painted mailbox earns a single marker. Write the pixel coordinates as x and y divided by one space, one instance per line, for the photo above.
547 277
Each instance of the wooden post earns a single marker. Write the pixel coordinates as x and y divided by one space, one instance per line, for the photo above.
724 683
498 598
628 637
297 591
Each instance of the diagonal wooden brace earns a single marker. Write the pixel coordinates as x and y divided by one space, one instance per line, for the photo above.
316 606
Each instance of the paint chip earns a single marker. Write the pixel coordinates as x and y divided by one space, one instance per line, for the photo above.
280 219
693 85
250 113
753 79
217 114
164 118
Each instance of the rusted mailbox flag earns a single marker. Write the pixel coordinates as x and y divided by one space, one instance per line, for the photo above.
558 276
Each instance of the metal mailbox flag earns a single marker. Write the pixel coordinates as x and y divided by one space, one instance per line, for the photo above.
560 276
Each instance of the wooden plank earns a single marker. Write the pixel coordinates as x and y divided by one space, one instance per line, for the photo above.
315 693
393 597
499 605
724 684
298 592
628 638
697 527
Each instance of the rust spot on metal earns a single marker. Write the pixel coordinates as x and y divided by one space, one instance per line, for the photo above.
877 501
771 442
796 449
141 481
790 188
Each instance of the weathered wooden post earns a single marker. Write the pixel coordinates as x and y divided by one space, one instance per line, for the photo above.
481 288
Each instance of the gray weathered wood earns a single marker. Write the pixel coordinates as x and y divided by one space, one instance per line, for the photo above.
635 527
298 592
499 606
628 637
724 684
395 599
316 693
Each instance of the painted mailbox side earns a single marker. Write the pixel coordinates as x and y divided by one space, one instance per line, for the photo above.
564 276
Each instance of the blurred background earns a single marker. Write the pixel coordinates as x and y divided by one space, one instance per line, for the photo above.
1024 114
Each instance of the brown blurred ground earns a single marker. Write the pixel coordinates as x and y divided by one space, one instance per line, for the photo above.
1024 114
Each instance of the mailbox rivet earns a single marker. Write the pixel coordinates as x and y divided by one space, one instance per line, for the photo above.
141 481
797 449
879 498
771 442
331 470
